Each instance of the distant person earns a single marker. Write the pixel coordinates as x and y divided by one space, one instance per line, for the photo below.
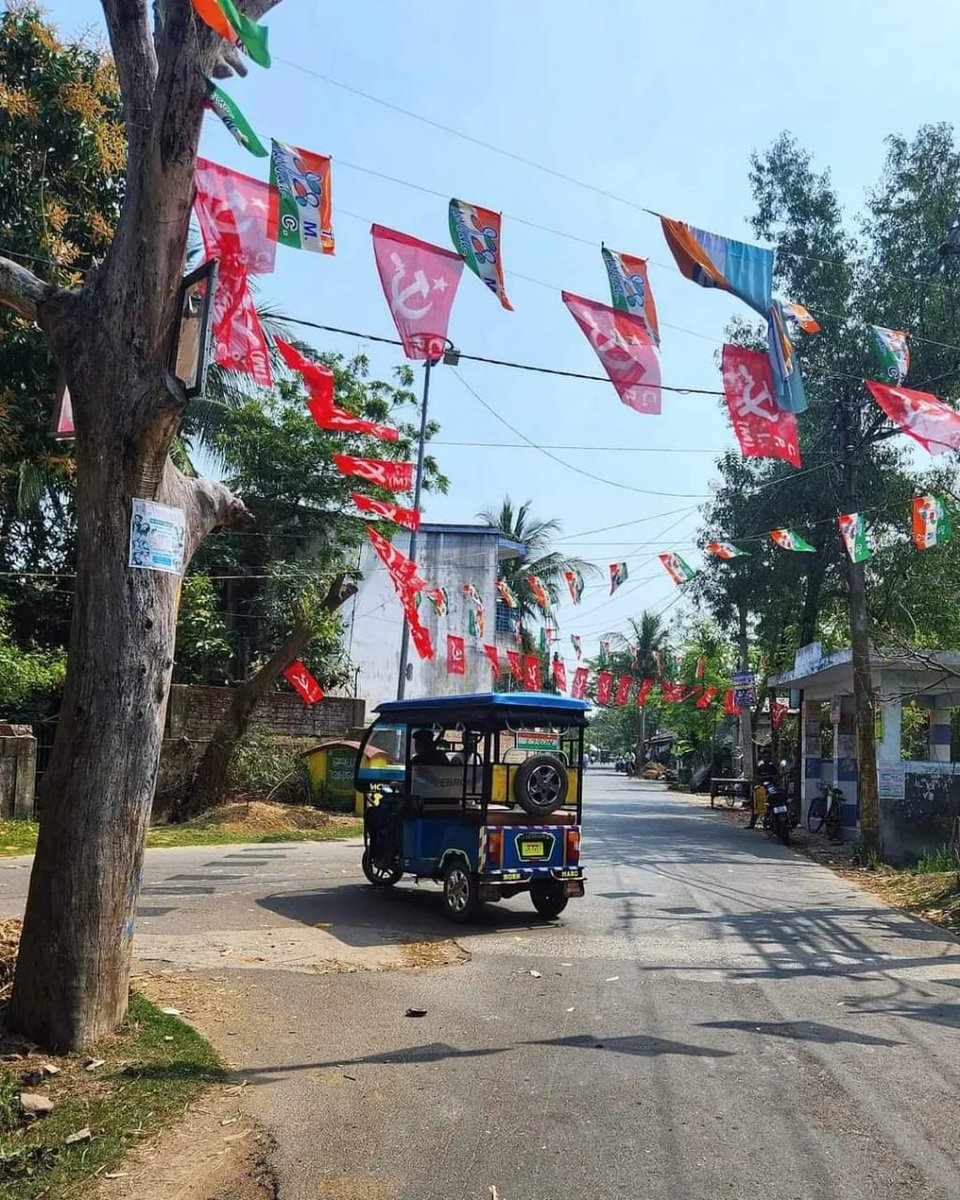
470 757
427 752
766 768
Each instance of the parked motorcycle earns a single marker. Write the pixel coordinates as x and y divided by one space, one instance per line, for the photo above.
772 804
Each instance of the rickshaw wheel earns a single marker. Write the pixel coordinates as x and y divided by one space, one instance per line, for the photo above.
460 892
377 873
540 785
548 898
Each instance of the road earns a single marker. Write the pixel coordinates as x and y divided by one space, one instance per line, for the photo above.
718 1018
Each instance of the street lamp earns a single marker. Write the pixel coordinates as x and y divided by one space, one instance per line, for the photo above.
190 351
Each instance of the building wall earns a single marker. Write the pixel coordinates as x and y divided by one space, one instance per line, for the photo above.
374 618
193 713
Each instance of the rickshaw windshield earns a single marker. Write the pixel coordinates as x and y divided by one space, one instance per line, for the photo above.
383 754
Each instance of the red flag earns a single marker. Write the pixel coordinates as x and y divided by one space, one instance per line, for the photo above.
730 707
644 692
604 687
516 666
319 381
239 341
317 377
420 282
493 654
578 689
935 425
232 212
560 674
762 429
300 678
624 348
778 713
395 476
402 569
531 672
409 518
456 659
624 684
418 631
708 695
539 591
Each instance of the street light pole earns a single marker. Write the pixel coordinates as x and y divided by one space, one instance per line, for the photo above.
417 489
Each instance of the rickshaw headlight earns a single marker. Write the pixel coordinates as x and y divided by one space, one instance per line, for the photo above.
573 847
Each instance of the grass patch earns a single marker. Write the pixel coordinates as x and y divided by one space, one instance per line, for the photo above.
934 895
17 837
212 835
146 1082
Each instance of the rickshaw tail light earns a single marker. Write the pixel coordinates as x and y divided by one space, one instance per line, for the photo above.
573 847
495 845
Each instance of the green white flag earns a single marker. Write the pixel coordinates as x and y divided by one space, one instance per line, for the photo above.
726 550
853 530
225 18
301 207
789 539
229 113
892 353
931 521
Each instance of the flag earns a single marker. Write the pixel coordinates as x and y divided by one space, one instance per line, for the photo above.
477 612
575 584
394 476
670 691
229 113
559 674
225 18
420 282
892 353
239 341
643 692
935 425
931 521
300 678
438 600
618 575
505 593
789 539
516 667
578 689
604 687
539 591
678 570
778 713
319 380
409 518
624 684
456 659
577 645
706 696
701 667
233 213
730 706
418 631
799 318
630 289
762 430
402 569
853 530
715 261
531 673
787 380
301 204
726 550
493 654
624 348
476 238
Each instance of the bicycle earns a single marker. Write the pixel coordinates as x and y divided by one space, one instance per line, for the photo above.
826 810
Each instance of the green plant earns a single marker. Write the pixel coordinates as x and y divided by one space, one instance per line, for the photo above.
270 768
9 1101
943 858
29 678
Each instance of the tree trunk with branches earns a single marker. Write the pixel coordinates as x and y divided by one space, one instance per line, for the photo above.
112 339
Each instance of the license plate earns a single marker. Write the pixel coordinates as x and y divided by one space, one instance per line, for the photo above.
570 873
780 808
532 848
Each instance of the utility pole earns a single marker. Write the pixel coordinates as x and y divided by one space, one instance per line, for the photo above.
417 489
863 700
746 724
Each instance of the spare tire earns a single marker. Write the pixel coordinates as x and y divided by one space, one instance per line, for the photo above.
540 784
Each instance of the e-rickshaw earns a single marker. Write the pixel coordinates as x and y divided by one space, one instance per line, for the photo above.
483 793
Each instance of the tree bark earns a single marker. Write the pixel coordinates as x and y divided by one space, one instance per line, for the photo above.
209 779
112 340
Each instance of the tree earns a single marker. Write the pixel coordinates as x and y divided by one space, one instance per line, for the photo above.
111 335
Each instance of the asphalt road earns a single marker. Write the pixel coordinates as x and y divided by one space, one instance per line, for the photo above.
717 1018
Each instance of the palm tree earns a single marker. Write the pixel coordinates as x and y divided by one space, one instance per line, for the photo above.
548 565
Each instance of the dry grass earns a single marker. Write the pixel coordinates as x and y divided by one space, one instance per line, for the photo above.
253 821
9 941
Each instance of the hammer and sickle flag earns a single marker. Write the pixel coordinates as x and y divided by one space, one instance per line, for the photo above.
624 346
419 282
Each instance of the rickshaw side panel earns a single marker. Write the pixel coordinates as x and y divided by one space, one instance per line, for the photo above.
427 842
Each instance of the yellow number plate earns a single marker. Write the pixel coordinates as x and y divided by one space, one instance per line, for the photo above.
531 849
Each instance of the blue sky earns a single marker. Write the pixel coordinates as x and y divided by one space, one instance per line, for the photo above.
660 104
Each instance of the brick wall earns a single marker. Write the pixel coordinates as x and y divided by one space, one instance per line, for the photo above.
193 713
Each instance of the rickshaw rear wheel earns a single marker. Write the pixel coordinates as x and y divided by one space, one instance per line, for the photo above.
540 785
460 893
377 873
548 897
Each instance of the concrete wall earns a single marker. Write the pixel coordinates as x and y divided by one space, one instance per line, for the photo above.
18 771
193 713
373 619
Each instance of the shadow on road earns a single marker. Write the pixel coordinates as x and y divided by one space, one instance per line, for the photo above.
803 1031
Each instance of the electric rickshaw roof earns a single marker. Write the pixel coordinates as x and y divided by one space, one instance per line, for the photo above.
488 710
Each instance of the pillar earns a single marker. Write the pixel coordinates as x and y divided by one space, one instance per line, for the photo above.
940 735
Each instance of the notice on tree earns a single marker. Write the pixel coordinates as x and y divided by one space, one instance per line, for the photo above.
157 536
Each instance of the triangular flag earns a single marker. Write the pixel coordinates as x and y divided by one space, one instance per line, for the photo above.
505 593
726 550
935 425
630 289
618 575
931 521
225 18
789 539
625 350
419 282
229 113
892 353
409 518
575 584
853 530
678 570
493 654
394 476
476 237
300 678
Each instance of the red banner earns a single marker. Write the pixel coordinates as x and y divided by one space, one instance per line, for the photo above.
456 658
762 429
778 713
409 518
644 692
493 654
420 282
604 687
935 425
531 673
624 684
578 689
319 381
402 569
238 337
232 211
560 674
625 349
730 707
708 695
419 633
300 678
394 476
516 666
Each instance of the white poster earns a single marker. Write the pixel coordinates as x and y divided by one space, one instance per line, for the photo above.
892 781
157 536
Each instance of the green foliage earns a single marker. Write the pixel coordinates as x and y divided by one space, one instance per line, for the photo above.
30 679
9 1101
270 768
203 647
944 858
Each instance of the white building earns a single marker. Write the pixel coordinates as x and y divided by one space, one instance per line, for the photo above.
448 556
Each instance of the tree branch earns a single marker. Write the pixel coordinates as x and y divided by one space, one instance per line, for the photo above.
23 291
128 25
207 504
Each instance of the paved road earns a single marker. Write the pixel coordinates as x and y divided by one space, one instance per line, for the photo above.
718 1018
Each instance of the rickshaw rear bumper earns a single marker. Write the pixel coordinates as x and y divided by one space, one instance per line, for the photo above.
511 883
